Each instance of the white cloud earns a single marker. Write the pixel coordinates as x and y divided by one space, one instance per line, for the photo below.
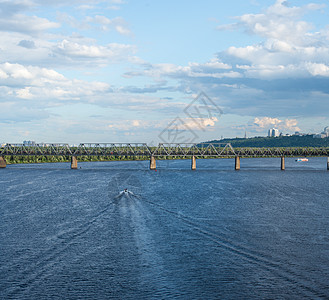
46 88
214 68
122 30
11 18
25 24
97 22
213 64
194 124
30 39
118 23
286 75
18 74
279 21
74 51
130 125
318 69
267 122
93 54
281 75
29 82
24 93
3 74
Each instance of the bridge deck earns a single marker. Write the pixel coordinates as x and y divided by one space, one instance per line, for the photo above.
142 150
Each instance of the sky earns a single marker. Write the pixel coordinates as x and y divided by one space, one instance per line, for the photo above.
161 71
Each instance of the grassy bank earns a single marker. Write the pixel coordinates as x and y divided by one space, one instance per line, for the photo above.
24 159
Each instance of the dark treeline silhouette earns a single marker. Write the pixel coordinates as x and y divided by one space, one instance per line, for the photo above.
282 141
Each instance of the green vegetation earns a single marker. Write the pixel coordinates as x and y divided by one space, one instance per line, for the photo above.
252 147
282 141
24 159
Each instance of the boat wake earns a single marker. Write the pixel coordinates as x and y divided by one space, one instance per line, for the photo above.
249 255
124 186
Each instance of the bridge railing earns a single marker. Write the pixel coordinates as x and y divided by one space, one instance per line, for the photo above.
84 149
282 151
190 149
113 149
36 149
162 150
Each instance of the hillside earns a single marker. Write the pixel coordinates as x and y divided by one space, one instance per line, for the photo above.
282 141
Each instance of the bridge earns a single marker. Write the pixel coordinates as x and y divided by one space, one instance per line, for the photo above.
162 151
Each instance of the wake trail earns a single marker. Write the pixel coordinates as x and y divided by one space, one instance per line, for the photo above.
43 263
245 253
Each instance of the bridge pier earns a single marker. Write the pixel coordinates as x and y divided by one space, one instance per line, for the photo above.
3 163
283 164
237 163
74 162
328 163
153 164
193 167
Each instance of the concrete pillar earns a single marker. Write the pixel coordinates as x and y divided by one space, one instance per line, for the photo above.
153 164
328 163
193 163
283 165
3 163
237 163
74 162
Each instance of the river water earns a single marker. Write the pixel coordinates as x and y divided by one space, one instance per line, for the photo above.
213 233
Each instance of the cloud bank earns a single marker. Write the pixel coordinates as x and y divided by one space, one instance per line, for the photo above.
286 74
71 56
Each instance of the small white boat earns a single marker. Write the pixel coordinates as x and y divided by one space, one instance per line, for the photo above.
125 192
301 159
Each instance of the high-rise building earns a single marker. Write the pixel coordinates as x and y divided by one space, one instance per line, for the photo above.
273 132
29 143
326 131
324 134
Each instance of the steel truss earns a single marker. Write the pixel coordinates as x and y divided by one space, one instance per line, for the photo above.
197 150
142 150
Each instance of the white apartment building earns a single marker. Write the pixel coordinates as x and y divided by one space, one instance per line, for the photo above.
273 132
324 134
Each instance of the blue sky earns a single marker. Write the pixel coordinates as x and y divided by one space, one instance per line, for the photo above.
125 70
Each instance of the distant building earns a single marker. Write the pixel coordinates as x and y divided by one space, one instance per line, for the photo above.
326 131
43 145
324 134
273 132
297 133
29 143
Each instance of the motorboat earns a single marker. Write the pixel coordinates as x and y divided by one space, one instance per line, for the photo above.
301 159
125 192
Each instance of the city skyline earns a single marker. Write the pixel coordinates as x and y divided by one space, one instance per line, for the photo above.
122 71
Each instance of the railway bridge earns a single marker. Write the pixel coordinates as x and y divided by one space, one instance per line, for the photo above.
143 151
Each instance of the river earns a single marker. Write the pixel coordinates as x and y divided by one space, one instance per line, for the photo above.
213 233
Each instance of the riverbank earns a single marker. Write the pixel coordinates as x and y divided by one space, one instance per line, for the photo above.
24 159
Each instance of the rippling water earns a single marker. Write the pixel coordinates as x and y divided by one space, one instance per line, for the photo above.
213 233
